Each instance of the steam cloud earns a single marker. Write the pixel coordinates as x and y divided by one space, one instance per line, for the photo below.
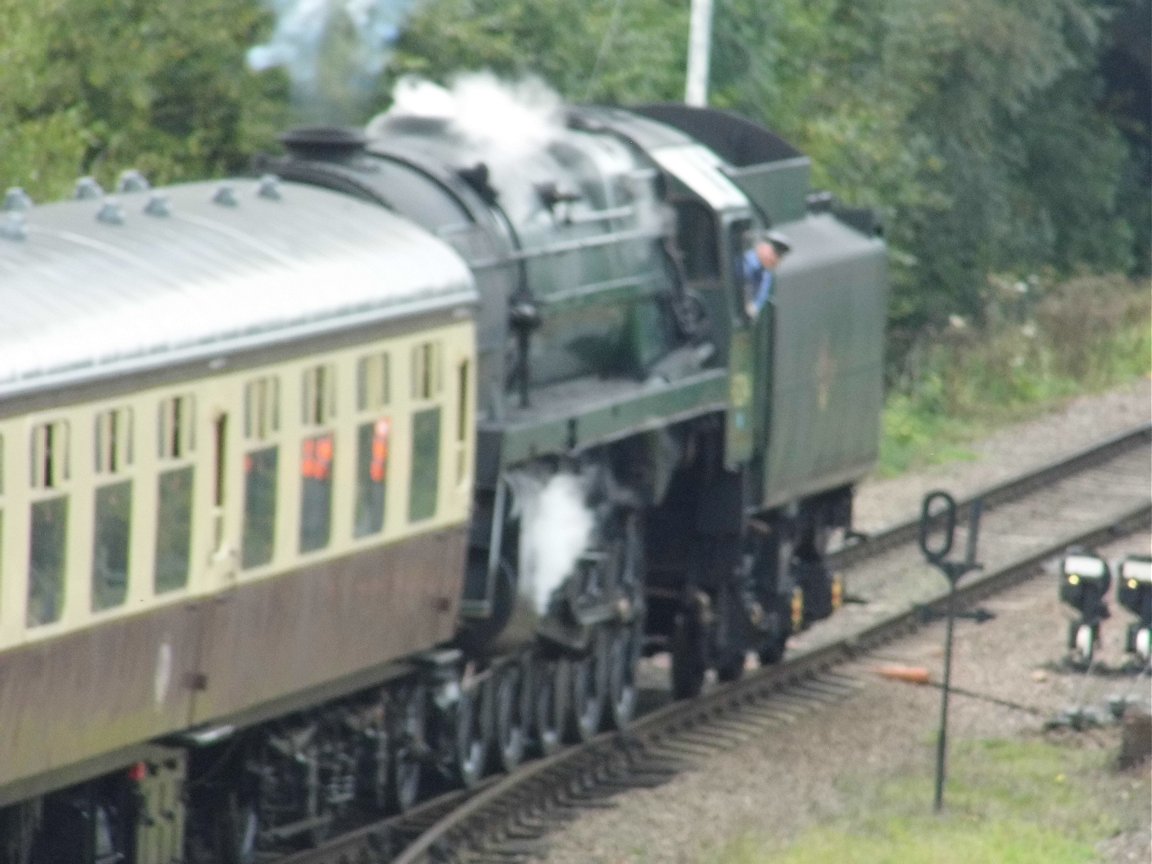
505 124
333 51
505 119
555 529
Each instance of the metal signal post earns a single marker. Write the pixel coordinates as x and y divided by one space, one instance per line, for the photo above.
699 53
936 541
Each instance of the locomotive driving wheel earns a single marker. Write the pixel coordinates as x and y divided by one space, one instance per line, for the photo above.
777 626
549 689
688 649
472 730
627 640
781 600
512 712
589 688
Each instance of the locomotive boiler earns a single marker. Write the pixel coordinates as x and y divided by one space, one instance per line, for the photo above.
392 463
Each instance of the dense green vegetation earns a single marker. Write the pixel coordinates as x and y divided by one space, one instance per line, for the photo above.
988 133
1020 802
1042 341
997 138
97 86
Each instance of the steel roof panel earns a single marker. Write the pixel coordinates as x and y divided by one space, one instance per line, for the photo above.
84 298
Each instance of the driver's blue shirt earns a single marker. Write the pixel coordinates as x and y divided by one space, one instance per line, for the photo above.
758 279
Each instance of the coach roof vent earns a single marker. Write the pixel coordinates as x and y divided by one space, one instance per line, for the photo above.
16 200
225 196
269 187
110 212
13 227
324 142
158 205
132 181
87 188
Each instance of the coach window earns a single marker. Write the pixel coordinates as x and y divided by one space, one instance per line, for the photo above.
427 385
317 449
463 419
373 438
1 512
175 447
113 521
48 540
261 461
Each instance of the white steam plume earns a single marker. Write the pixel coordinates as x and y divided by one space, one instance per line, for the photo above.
332 50
505 123
509 119
555 529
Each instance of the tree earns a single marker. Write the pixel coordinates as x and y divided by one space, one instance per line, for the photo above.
992 135
587 50
93 87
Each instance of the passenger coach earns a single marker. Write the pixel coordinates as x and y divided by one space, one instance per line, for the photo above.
229 443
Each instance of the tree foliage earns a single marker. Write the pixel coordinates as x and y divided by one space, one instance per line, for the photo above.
976 127
94 86
589 51
994 136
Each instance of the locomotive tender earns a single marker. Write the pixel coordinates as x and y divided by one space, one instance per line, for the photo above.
391 464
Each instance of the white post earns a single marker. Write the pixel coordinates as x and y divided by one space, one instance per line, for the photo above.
699 48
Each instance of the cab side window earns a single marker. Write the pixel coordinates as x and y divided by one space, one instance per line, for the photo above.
696 237
48 542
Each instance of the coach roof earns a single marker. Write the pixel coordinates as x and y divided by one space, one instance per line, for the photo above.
98 287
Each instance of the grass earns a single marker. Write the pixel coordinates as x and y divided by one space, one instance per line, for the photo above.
1039 345
1010 802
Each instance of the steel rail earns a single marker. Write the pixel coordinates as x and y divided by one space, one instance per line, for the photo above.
610 756
520 807
1001 493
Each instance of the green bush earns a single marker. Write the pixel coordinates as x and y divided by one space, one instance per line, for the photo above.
1040 342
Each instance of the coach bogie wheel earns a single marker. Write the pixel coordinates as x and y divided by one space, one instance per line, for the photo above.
406 765
236 829
375 757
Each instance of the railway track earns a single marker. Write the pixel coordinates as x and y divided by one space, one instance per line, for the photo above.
1089 497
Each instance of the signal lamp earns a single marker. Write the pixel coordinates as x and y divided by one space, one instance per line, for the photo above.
1134 593
1084 582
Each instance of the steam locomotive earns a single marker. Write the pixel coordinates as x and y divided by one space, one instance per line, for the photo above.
387 465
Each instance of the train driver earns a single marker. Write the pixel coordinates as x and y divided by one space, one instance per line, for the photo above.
760 269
